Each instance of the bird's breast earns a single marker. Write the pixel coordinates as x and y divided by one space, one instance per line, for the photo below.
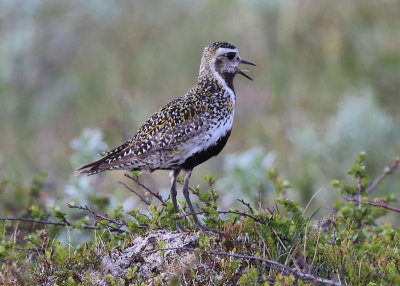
209 137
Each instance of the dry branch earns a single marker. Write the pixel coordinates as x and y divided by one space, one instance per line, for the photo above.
86 226
380 204
119 223
247 205
224 212
142 198
156 195
388 170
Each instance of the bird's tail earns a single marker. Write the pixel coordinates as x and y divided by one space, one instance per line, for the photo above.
92 168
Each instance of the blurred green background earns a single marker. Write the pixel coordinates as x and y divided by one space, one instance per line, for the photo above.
326 86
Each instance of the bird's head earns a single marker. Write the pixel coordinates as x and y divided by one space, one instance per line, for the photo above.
222 59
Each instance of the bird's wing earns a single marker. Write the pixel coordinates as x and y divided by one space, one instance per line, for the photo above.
172 125
178 121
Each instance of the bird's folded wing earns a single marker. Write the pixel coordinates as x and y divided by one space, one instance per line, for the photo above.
161 137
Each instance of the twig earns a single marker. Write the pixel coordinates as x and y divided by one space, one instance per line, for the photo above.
247 205
388 170
136 193
31 250
102 217
224 212
280 241
33 220
378 270
86 226
376 204
360 189
243 214
397 262
283 268
156 195
265 248
88 209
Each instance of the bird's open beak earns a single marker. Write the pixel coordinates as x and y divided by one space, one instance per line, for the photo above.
238 70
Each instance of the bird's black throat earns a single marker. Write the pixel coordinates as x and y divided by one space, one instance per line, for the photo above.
228 78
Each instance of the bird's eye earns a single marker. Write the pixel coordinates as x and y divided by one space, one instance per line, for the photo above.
230 55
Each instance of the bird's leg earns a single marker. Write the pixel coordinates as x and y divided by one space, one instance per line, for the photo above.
174 176
201 227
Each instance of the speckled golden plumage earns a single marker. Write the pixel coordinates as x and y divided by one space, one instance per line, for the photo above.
188 130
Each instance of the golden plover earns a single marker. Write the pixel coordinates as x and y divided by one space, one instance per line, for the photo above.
187 131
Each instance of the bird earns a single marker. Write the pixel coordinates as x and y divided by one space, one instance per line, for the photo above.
187 131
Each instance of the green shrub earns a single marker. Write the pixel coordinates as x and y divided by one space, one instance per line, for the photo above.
258 246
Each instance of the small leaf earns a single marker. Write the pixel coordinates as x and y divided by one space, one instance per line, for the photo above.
209 179
135 173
